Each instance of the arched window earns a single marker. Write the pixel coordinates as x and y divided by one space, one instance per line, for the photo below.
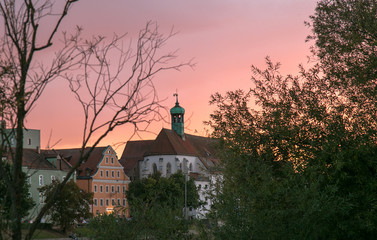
154 168
168 169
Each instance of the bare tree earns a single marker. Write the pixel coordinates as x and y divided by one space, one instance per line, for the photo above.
112 91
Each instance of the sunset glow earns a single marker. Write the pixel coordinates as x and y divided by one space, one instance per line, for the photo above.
224 37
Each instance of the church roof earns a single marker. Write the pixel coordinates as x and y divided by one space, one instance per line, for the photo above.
169 142
134 152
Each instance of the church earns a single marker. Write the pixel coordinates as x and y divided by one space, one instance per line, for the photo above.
173 150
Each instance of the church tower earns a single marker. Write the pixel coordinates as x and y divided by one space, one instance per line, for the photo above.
177 120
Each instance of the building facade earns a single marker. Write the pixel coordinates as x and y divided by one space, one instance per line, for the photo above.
41 167
102 175
172 151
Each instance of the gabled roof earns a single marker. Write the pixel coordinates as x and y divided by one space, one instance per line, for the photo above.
169 142
33 159
90 165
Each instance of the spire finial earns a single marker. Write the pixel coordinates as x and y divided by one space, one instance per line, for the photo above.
176 97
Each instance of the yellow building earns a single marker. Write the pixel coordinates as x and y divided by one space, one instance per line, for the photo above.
103 175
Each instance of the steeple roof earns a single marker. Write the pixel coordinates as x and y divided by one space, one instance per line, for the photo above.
177 109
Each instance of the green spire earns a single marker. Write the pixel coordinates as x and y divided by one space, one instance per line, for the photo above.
177 117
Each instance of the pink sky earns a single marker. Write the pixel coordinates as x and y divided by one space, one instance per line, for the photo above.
225 37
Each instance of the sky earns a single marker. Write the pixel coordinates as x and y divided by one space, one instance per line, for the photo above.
223 37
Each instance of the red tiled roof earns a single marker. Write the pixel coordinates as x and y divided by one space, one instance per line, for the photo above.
134 152
73 155
169 142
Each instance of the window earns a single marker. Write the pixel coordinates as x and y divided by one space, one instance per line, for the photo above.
118 173
107 188
124 202
95 201
118 201
101 173
107 173
107 202
107 159
168 169
29 141
112 160
160 161
124 189
113 201
95 188
112 174
190 167
52 178
100 188
101 202
40 180
154 168
112 189
118 188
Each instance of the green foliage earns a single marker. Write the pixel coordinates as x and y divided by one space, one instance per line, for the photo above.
158 224
156 207
345 33
303 165
5 199
160 191
70 206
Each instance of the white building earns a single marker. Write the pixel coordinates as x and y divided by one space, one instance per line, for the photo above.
174 151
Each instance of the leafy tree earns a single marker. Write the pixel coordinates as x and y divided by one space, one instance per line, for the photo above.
5 203
302 164
156 207
345 34
157 190
70 206
155 197
298 168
